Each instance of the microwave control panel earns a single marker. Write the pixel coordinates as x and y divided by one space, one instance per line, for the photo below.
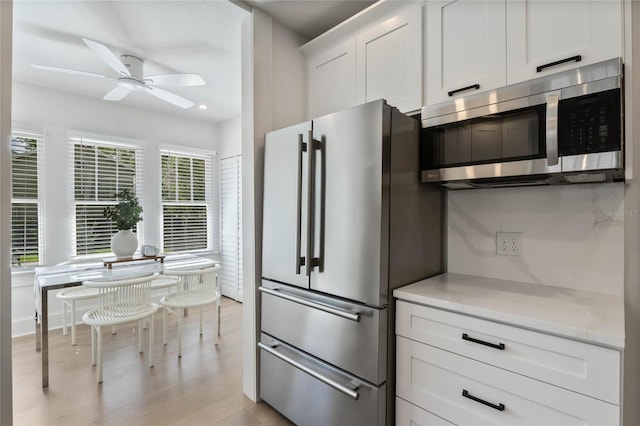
590 123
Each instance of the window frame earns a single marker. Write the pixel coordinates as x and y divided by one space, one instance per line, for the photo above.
38 201
110 143
211 202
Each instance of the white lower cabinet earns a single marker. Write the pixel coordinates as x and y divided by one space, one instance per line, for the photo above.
438 380
409 414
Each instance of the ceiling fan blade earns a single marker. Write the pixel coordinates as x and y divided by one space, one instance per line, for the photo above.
107 56
176 80
169 97
68 71
116 94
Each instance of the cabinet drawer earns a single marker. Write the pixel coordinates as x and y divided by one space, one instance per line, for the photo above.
409 414
588 369
464 391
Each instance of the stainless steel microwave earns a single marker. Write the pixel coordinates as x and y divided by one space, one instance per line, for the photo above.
563 128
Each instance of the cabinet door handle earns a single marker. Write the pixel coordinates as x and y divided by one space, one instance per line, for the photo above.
473 86
499 407
500 346
576 58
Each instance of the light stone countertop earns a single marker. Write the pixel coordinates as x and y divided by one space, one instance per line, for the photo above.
581 315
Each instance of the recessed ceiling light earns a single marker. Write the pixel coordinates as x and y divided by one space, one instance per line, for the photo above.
202 106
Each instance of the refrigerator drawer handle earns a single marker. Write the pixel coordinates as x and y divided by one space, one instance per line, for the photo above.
337 386
353 316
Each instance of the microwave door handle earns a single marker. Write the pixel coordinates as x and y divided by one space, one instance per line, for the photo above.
552 129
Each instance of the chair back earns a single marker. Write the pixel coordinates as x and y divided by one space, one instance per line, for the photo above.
197 279
123 290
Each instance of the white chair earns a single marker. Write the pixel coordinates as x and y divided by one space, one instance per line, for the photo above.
163 282
69 296
120 301
196 288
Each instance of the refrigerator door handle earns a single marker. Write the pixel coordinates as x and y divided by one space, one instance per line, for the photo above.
337 386
353 316
310 197
299 260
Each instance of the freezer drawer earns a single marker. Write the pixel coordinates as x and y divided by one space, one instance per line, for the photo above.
311 392
350 336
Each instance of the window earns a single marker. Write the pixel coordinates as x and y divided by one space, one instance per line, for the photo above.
187 202
231 235
25 206
101 169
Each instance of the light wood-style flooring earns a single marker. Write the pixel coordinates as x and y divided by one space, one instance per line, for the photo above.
204 387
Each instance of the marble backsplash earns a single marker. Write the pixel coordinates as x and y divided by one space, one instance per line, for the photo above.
573 234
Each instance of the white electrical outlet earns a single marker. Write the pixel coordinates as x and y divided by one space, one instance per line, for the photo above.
509 243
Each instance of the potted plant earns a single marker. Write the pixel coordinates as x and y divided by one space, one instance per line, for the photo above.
125 214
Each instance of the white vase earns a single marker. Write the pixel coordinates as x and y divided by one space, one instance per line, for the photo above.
124 244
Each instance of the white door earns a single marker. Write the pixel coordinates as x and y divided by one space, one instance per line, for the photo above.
465 48
389 60
332 79
231 218
544 37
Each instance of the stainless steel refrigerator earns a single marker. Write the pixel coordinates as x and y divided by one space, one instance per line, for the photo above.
345 221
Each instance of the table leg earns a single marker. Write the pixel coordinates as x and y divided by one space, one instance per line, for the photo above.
38 333
44 327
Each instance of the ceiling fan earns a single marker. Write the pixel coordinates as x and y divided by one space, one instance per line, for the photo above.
132 78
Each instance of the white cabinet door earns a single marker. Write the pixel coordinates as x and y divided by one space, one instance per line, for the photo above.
389 60
465 48
542 32
332 79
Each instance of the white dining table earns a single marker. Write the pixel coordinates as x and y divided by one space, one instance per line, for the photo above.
58 277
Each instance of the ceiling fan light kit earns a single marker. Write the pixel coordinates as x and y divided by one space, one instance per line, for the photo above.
131 77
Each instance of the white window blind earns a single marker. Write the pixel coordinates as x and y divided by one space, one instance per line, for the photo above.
101 169
188 203
26 221
231 215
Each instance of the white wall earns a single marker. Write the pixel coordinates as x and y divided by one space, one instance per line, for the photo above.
230 137
274 96
6 33
573 235
631 391
58 114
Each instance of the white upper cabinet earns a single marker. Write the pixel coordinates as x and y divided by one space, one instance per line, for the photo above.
332 79
374 54
465 50
389 60
543 32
